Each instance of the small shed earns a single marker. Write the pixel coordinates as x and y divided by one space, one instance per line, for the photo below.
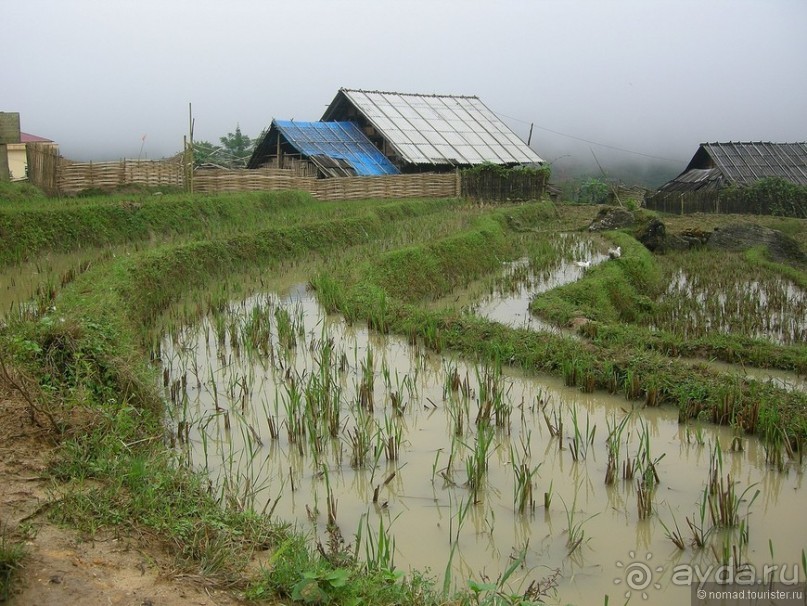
322 149
420 132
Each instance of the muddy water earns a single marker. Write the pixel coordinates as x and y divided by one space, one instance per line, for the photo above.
231 391
22 283
506 298
512 307
780 378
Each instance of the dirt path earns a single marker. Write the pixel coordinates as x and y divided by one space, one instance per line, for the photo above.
62 566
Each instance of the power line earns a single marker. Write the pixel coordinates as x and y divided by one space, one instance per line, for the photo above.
605 145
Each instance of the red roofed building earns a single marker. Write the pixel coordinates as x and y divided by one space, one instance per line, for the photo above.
17 158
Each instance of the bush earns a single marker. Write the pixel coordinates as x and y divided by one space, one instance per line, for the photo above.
769 196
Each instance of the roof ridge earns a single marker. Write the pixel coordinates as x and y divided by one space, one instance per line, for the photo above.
390 92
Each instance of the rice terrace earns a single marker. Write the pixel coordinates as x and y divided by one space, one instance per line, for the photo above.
403 401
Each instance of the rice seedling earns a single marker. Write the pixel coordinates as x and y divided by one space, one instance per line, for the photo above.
674 534
583 437
574 527
523 487
360 442
391 435
644 499
555 424
724 503
492 403
379 549
645 463
476 464
614 446
698 526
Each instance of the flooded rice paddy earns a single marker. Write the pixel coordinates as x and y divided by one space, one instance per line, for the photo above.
715 295
430 462
505 298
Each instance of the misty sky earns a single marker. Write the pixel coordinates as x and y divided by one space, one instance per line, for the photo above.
651 76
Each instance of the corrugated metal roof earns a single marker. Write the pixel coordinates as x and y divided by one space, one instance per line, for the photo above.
745 163
335 140
438 129
695 179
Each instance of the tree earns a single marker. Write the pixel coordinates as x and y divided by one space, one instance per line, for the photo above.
234 151
593 191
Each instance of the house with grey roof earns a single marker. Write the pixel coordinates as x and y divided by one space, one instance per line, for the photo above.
717 166
431 133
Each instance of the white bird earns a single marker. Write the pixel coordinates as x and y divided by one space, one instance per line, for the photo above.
583 264
615 253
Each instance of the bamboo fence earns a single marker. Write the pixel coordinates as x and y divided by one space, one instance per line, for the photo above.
59 176
490 186
74 177
43 161
424 185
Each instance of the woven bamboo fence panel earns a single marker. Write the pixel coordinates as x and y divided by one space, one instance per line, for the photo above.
74 177
213 181
43 161
425 185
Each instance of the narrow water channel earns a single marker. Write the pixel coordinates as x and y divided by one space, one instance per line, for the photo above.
294 412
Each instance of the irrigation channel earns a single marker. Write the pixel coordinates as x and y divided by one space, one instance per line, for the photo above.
426 461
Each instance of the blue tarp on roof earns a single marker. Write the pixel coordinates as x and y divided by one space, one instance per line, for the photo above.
340 140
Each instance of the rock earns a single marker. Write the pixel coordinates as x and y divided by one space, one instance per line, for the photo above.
742 236
696 236
653 235
612 218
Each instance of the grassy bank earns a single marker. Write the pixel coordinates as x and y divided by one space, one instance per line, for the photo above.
30 228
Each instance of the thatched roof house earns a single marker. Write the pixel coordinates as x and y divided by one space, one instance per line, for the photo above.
431 132
324 149
717 165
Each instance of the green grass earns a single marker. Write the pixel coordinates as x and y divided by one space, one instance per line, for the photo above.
12 554
619 290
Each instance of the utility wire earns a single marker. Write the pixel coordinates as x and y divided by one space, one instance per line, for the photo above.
605 145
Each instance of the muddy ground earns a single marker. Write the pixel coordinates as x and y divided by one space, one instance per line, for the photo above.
62 566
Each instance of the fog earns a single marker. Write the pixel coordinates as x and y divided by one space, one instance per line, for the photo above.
621 81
